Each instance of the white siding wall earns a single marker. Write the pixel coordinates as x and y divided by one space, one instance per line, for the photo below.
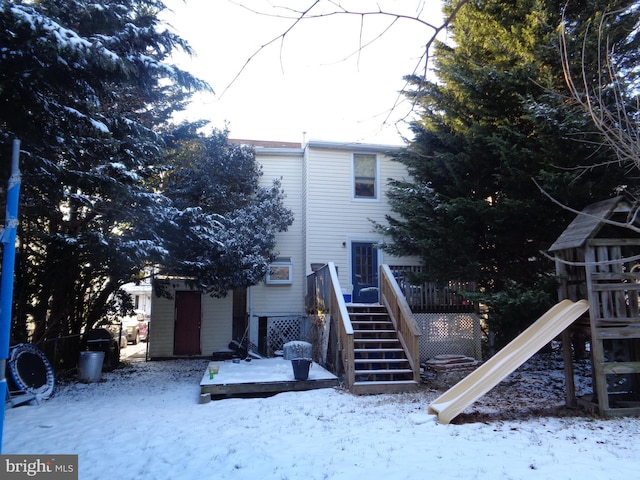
217 321
215 329
161 327
286 299
335 218
331 218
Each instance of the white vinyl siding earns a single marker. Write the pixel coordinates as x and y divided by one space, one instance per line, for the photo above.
216 327
334 217
161 327
284 298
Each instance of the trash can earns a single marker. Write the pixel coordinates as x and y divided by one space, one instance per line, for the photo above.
101 340
90 366
301 368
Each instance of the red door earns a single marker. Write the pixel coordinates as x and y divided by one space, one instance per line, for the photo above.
187 326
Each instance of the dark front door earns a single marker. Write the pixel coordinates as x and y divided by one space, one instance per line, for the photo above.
364 268
187 326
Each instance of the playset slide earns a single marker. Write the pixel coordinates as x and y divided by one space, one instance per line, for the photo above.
494 370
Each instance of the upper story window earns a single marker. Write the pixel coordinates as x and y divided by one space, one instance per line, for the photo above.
365 176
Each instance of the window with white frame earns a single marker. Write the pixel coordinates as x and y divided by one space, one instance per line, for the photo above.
280 272
365 176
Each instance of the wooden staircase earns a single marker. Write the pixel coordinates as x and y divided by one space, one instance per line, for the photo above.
381 364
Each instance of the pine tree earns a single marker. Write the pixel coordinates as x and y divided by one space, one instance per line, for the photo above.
496 119
85 86
221 230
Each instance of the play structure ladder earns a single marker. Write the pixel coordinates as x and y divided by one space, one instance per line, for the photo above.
493 371
380 362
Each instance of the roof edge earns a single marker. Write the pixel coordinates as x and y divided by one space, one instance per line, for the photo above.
355 146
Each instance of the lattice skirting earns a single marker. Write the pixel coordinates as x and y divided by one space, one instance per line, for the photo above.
449 333
442 333
281 330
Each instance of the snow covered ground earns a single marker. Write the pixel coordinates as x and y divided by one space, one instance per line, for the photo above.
144 422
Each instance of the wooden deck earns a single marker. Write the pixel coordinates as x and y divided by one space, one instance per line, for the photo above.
264 376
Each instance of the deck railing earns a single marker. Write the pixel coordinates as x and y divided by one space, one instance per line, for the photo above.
433 297
340 317
324 295
394 301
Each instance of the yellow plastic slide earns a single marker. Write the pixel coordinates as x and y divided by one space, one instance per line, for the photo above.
494 370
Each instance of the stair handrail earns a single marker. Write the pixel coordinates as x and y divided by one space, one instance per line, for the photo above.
392 298
340 315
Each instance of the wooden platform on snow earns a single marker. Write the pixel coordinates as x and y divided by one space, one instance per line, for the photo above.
263 376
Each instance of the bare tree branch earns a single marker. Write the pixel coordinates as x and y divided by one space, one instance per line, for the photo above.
616 124
591 264
336 8
424 58
629 224
280 37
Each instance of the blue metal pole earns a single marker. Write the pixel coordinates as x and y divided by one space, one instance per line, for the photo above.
8 239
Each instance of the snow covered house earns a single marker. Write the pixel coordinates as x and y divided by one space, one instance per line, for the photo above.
335 190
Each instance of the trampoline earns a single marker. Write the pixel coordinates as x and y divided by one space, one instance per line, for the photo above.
31 371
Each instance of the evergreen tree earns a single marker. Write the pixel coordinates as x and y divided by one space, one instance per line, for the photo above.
221 231
84 85
497 118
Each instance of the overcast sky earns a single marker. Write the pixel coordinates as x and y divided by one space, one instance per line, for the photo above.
314 80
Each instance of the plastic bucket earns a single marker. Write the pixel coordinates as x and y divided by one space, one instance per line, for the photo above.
301 368
90 366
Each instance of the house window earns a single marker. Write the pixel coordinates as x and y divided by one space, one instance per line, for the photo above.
365 169
280 272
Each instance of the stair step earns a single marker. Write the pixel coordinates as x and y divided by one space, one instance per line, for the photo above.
357 334
365 321
388 364
377 387
383 372
372 325
377 350
367 327
376 330
370 318
387 382
357 315
376 340
381 360
371 321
